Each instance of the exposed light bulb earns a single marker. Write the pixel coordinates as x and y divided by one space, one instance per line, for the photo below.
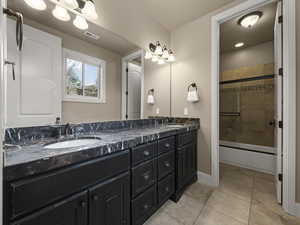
80 23
171 56
148 55
36 4
161 61
155 58
165 54
61 13
238 45
89 10
73 4
158 49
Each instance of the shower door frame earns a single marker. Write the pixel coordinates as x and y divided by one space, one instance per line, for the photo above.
289 96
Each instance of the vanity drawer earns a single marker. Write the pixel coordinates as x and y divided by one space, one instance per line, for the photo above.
144 206
166 145
186 138
166 188
29 194
166 164
143 176
143 153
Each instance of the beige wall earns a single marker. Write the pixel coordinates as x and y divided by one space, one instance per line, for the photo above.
87 112
298 99
247 57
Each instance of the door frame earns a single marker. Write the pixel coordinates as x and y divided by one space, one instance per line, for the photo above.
139 53
2 91
289 94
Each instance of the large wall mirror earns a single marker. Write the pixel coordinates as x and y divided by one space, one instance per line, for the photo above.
65 74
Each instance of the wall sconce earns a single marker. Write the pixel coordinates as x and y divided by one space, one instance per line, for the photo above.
150 98
192 93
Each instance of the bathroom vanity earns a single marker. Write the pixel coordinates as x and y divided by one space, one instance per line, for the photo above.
123 179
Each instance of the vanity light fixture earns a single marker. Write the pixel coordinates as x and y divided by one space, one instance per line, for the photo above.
36 4
250 19
73 4
80 23
89 10
158 54
150 97
61 13
192 95
238 45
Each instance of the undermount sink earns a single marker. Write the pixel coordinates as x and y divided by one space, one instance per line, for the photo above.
73 143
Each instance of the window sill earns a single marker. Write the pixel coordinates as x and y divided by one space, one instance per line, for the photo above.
84 100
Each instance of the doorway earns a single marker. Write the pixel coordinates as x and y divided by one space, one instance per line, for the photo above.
132 86
285 163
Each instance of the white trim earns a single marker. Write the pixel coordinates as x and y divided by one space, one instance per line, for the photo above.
297 211
139 53
67 53
289 98
204 178
257 161
259 148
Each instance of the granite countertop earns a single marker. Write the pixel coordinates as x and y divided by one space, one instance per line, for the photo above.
33 158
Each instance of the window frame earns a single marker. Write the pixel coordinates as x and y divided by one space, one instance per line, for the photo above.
85 59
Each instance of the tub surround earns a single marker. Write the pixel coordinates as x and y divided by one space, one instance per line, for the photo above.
25 153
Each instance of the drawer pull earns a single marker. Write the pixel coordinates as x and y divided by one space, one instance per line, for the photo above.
95 197
146 153
146 176
167 164
83 204
167 189
167 145
146 207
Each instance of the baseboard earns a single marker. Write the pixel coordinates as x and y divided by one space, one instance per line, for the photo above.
204 178
297 205
251 160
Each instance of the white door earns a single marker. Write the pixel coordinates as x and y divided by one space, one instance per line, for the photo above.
278 81
134 91
34 97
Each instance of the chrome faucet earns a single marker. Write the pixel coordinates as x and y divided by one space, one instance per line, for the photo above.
68 129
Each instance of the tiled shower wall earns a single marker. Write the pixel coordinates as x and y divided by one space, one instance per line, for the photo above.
247 108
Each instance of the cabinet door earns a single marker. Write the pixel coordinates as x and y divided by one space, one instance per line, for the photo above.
110 203
34 97
182 169
68 212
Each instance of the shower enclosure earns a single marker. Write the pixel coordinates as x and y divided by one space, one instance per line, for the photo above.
247 113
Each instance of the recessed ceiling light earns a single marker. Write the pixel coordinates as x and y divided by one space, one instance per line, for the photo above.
250 19
238 45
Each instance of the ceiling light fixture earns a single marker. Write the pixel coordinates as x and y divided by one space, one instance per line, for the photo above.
158 54
36 4
250 19
61 13
80 23
89 10
238 45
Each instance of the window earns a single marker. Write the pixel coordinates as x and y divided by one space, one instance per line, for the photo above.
84 78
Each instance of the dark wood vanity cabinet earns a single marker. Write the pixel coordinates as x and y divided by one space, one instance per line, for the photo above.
123 188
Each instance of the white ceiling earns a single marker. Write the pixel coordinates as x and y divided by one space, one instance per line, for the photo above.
107 40
263 31
174 13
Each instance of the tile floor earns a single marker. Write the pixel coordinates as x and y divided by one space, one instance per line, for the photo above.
245 197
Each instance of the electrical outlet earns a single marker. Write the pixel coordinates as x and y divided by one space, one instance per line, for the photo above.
157 110
186 111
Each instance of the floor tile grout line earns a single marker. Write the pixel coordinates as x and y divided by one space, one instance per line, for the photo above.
201 210
251 200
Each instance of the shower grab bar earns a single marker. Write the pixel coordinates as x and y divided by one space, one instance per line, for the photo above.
230 113
263 77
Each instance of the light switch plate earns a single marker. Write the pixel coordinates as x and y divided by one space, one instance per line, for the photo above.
186 111
157 110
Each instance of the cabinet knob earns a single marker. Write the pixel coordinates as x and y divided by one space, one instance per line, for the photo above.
146 153
146 206
83 204
167 145
146 176
167 164
95 197
167 189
